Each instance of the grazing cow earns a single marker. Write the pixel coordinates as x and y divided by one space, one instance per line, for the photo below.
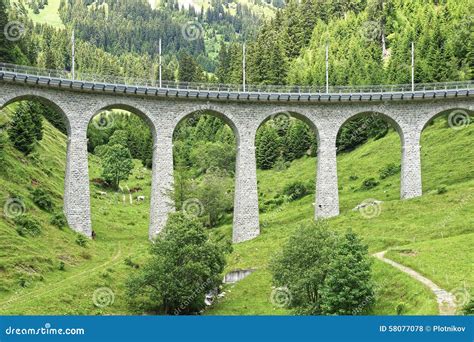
140 198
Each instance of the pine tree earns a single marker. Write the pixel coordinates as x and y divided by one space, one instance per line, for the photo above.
223 64
297 141
36 110
267 147
6 46
22 131
348 289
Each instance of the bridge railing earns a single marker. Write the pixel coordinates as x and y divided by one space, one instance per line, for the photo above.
149 83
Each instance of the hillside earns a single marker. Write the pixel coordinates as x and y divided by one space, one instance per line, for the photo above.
418 233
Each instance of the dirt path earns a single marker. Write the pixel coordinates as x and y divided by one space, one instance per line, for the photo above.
446 300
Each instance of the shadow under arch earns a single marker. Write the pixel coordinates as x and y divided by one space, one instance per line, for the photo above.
43 100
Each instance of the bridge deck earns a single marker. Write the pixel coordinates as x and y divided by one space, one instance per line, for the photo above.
206 91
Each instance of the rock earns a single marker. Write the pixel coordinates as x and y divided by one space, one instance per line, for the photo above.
367 203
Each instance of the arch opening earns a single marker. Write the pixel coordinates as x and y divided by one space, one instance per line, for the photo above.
285 148
369 161
47 108
120 147
449 134
33 147
204 160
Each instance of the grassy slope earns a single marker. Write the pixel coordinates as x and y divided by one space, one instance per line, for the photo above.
122 230
49 15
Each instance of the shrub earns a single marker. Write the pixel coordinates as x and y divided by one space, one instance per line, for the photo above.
183 267
81 240
295 190
129 262
59 220
442 190
401 307
280 164
62 266
368 184
353 177
27 225
389 170
468 309
42 199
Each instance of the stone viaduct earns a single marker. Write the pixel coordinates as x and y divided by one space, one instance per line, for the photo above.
408 112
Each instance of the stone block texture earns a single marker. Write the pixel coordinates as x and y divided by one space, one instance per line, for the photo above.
163 114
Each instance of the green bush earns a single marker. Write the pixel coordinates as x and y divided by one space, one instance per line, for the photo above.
353 177
184 266
42 199
295 190
442 190
62 266
468 309
81 240
401 307
129 262
59 220
368 184
27 225
389 170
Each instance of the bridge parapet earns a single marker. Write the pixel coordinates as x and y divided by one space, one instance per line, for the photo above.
232 92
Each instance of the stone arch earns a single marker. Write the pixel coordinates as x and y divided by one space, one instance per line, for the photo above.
211 110
375 114
136 110
291 113
43 100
